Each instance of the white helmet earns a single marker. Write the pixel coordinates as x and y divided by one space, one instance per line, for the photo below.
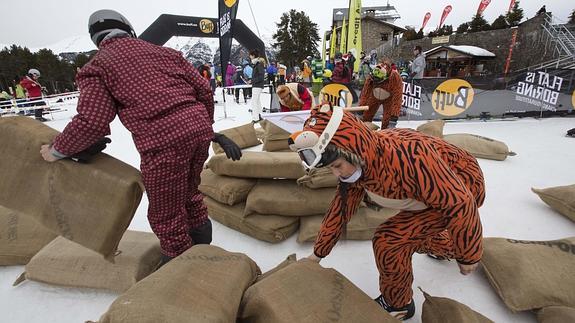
34 72
105 21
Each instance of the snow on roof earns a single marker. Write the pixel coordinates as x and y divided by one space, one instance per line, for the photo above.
466 49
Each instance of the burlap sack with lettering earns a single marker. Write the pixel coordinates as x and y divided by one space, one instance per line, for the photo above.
20 237
531 274
362 225
91 204
270 228
560 199
432 128
285 197
244 136
204 284
306 292
445 310
318 178
66 263
480 147
225 189
556 314
259 165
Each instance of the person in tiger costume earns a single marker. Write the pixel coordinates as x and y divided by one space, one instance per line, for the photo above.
382 86
437 186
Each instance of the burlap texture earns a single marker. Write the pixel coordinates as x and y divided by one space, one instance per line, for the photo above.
480 147
259 165
244 136
560 199
270 228
91 204
362 225
285 197
432 128
204 284
65 263
273 132
288 261
306 292
371 125
20 238
531 274
276 145
445 310
225 189
556 314
318 178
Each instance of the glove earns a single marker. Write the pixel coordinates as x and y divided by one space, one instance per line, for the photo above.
86 155
231 149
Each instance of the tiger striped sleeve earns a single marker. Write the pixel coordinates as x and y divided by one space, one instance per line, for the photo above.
434 183
333 221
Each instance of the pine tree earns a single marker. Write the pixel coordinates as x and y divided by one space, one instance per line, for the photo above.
478 23
514 16
572 18
463 28
419 34
499 23
447 30
296 38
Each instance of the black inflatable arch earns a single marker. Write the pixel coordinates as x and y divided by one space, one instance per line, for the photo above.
166 26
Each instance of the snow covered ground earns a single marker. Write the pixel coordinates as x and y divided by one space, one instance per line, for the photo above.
545 157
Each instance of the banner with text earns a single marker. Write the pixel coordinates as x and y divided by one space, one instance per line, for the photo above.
228 10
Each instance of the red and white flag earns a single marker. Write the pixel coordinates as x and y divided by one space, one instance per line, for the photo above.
446 12
511 5
426 19
482 5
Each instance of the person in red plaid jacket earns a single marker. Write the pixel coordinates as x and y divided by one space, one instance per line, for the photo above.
169 109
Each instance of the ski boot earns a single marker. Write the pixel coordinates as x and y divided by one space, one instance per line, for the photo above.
400 313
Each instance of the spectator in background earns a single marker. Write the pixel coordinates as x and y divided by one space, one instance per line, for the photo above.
306 71
340 74
272 71
282 73
418 66
34 90
239 79
294 97
257 82
330 64
212 76
230 71
248 71
350 64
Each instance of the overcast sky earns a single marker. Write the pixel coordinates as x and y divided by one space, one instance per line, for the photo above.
36 23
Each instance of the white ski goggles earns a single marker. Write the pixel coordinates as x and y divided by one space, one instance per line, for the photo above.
312 156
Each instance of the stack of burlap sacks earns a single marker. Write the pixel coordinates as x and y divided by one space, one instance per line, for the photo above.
67 221
268 195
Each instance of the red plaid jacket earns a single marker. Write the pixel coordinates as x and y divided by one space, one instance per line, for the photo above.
159 97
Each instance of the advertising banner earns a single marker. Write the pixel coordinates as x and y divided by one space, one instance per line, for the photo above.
228 10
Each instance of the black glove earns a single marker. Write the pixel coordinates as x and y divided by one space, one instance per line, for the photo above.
231 149
86 155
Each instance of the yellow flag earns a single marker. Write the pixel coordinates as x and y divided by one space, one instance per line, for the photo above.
343 42
354 31
332 43
323 50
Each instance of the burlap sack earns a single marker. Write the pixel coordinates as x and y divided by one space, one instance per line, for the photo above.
65 263
556 314
531 274
289 260
285 197
259 165
91 204
20 238
270 228
225 189
276 145
318 178
432 128
371 125
362 225
204 284
244 136
445 310
306 292
260 133
480 147
560 199
273 132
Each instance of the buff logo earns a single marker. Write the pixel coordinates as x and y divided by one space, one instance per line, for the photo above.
564 246
452 97
206 26
230 3
336 95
